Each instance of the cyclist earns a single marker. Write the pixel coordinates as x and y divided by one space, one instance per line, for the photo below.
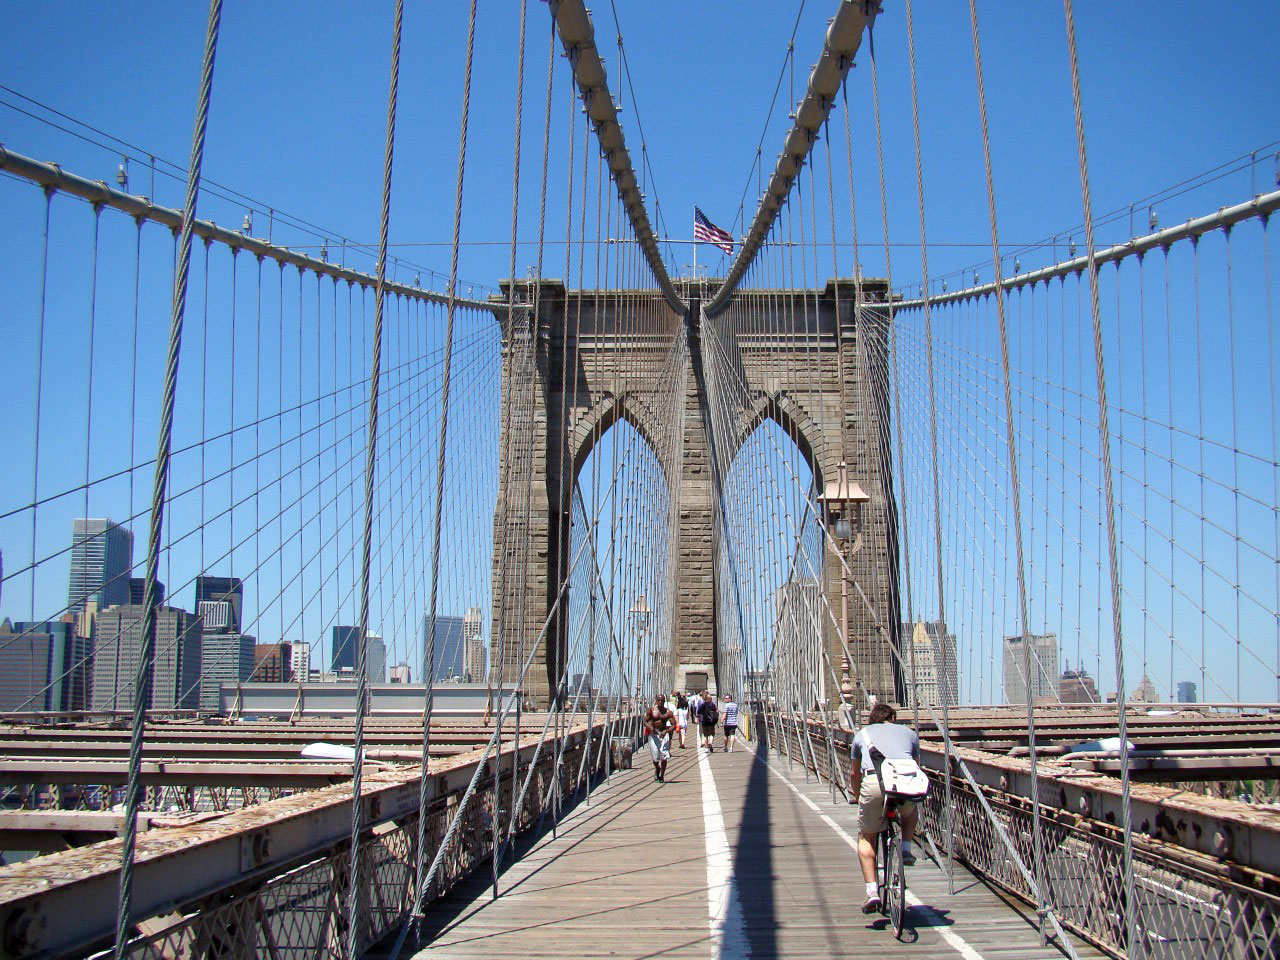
894 741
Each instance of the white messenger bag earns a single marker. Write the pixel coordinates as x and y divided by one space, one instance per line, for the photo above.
901 777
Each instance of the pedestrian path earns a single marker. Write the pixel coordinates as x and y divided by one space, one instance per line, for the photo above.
735 856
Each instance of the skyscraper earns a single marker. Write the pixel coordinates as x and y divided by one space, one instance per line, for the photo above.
1187 692
345 648
474 661
138 590
220 602
300 661
799 640
225 658
1076 686
376 659
1146 692
1044 668
934 650
42 666
226 654
101 555
448 654
346 654
118 649
272 663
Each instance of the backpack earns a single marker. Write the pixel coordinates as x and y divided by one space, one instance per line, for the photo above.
710 713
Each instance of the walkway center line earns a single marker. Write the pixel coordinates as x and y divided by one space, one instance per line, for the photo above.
723 909
953 939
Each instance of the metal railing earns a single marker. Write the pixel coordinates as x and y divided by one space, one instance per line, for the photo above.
288 907
1188 905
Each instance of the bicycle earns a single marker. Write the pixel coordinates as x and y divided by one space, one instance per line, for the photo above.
892 882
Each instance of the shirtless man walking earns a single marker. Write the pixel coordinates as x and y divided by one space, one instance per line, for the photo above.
659 721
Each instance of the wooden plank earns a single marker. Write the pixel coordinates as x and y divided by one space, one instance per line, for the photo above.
626 877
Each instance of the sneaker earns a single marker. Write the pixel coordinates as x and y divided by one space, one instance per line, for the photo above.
908 859
871 904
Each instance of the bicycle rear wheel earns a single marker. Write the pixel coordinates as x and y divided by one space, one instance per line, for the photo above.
895 880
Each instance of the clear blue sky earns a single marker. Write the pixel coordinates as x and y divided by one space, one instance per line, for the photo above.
1171 89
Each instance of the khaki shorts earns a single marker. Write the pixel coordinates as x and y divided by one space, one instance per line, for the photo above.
871 806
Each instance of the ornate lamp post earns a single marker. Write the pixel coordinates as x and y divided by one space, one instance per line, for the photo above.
841 504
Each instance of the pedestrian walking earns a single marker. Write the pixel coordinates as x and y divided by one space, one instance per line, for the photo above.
708 718
730 712
682 716
659 721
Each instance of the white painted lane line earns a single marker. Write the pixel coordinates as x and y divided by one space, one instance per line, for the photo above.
950 937
723 907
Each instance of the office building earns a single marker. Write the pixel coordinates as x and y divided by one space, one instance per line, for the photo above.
344 647
101 555
376 659
934 653
138 590
474 659
117 644
798 626
1043 651
272 663
43 666
225 658
346 651
448 649
300 661
1187 691
401 673
1076 686
227 655
220 602
1146 692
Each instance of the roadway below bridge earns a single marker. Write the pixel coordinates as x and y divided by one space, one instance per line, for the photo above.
734 856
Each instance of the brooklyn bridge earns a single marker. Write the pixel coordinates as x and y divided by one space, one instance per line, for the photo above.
342 566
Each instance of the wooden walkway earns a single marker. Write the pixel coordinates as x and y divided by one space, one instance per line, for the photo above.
734 856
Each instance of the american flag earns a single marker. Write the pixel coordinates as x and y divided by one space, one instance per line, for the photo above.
708 232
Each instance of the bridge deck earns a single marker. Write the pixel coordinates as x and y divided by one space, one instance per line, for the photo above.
627 876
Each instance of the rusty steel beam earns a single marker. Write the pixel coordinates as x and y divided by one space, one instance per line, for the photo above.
175 773
106 750
53 905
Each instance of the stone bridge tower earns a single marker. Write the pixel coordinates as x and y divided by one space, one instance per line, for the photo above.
571 369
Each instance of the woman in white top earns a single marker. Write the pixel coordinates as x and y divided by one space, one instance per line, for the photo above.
682 716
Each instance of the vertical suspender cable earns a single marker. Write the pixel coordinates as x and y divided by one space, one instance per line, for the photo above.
371 450
442 443
499 631
944 679
1015 490
891 360
1104 442
142 683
